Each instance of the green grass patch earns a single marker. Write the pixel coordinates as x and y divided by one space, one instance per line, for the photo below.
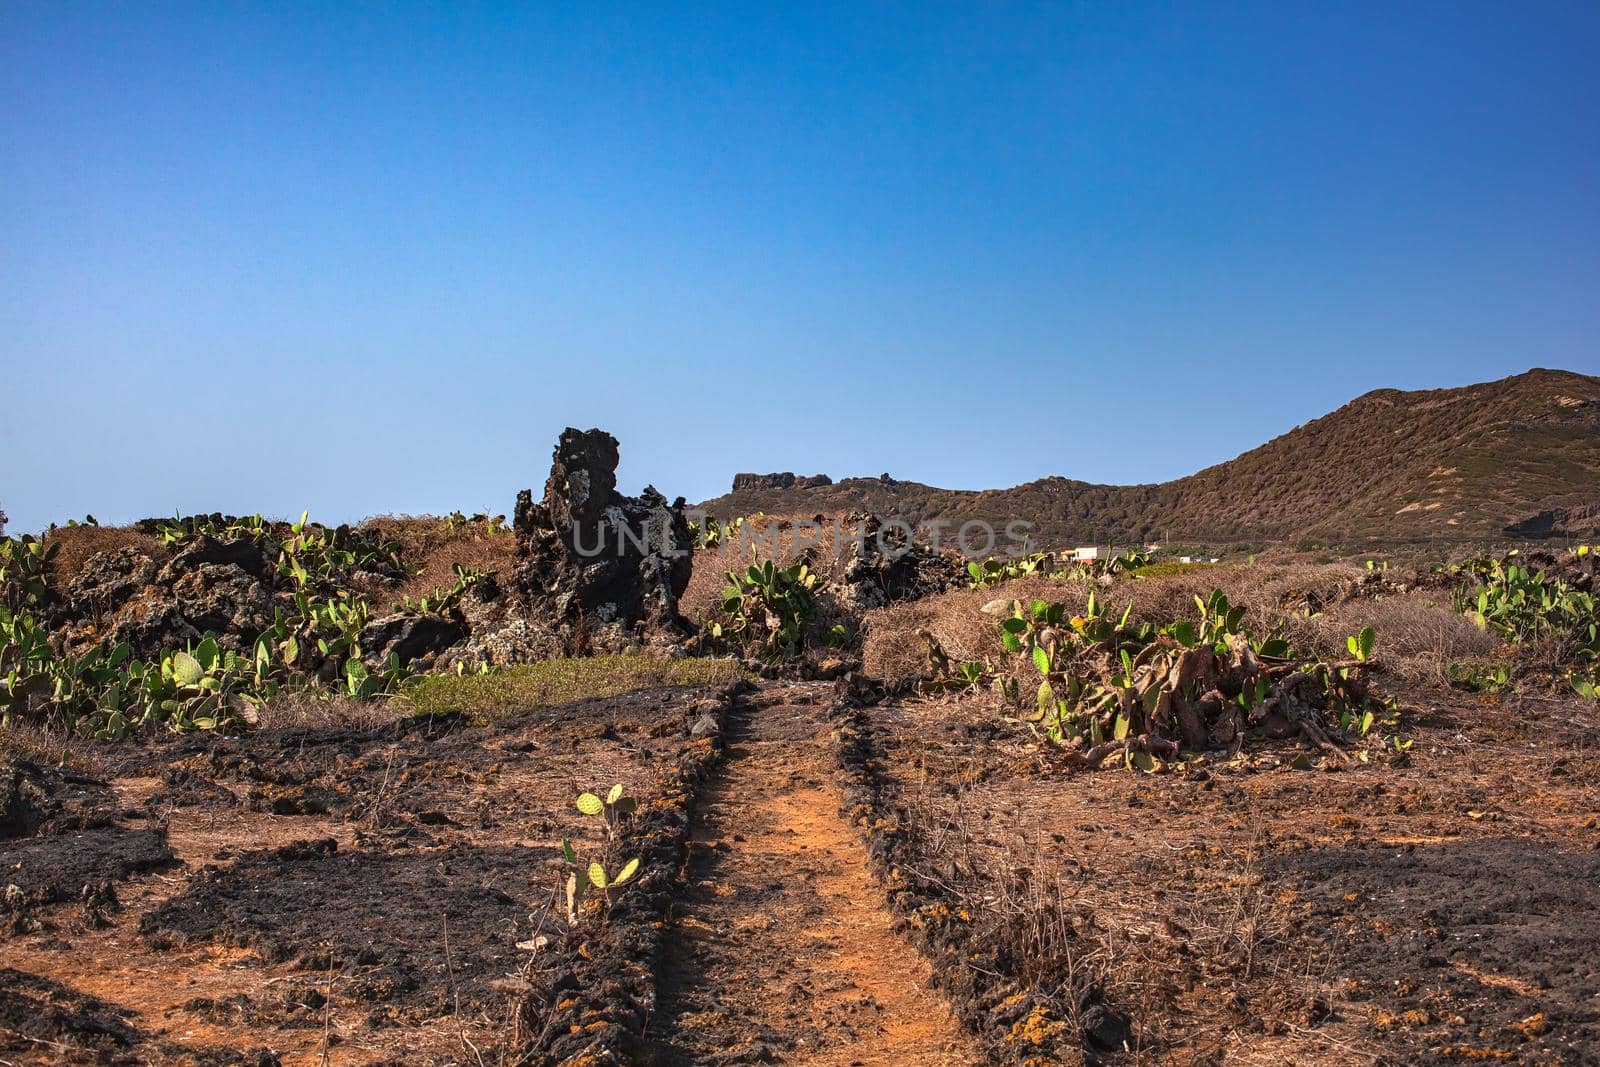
530 686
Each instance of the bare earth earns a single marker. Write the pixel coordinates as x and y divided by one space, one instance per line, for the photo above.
781 947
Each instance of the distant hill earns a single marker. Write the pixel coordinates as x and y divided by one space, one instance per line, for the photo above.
1517 457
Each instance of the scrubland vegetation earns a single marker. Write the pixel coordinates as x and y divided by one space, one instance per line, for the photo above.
312 642
1125 810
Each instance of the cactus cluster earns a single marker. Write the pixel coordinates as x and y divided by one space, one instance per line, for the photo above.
25 571
308 552
996 570
1113 687
1521 602
715 532
490 524
768 607
314 639
106 692
443 600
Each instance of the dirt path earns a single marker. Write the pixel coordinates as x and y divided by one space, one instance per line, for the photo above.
781 948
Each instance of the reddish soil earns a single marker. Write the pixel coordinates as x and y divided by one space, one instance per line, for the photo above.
334 896
1439 907
359 895
781 948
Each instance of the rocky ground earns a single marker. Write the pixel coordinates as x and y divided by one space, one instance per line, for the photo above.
1434 907
349 896
836 878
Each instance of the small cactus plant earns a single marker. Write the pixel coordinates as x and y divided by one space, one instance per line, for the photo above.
583 879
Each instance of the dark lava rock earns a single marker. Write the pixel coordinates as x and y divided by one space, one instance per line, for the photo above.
589 555
210 586
1104 1029
887 566
782 480
109 580
408 636
246 554
224 599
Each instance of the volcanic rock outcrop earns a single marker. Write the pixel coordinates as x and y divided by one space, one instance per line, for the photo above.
601 566
887 566
781 480
1580 521
210 586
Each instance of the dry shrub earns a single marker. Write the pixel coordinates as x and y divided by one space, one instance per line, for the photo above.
495 553
37 743
1273 594
433 548
707 577
956 620
80 543
302 709
1418 636
416 535
704 592
1544 661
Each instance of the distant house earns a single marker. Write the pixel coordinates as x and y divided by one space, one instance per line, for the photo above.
1091 553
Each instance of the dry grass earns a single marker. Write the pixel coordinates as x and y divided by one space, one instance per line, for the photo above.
706 580
325 709
1273 594
892 648
704 591
416 535
80 543
433 548
50 747
1419 636
496 555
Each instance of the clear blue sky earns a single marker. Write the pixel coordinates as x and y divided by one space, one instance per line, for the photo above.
367 258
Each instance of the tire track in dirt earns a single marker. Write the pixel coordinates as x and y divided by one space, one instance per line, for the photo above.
781 949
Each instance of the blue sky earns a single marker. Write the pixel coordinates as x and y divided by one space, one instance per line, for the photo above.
370 258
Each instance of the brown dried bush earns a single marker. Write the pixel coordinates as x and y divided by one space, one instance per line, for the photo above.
432 547
496 554
704 592
707 577
299 709
416 535
1419 636
956 620
79 543
44 744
